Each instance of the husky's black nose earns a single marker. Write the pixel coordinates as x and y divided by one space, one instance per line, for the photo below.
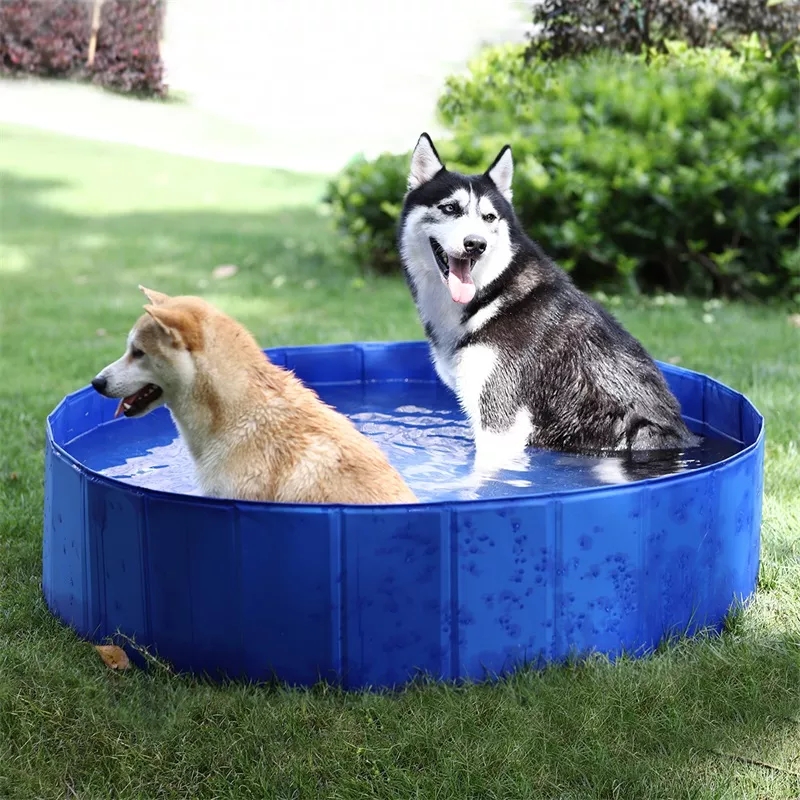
475 245
99 384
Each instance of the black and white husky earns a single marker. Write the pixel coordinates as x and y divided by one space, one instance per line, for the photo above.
533 360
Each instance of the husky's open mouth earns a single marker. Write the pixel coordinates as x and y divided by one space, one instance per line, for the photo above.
456 273
139 402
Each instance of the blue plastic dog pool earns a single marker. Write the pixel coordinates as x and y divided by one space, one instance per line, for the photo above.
561 558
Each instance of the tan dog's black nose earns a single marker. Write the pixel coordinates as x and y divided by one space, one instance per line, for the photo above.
99 384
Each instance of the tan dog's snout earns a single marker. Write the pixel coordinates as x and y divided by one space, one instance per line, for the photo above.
100 384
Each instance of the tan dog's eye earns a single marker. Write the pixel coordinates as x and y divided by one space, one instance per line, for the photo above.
136 352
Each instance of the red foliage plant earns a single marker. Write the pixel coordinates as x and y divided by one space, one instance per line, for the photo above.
50 38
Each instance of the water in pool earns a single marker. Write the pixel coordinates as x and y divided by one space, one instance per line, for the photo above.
418 426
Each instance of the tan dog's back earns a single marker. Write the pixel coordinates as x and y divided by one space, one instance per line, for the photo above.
327 460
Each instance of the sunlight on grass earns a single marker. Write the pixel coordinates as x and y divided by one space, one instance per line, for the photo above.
250 308
92 241
99 183
13 259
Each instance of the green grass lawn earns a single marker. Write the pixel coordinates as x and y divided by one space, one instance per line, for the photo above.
81 224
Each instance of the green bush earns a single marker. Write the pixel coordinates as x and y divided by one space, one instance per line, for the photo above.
567 28
366 199
680 174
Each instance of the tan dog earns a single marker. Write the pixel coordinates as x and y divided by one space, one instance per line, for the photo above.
254 431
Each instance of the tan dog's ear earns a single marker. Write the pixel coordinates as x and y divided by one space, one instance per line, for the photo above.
156 298
172 321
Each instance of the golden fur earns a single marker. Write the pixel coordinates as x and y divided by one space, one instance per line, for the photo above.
254 431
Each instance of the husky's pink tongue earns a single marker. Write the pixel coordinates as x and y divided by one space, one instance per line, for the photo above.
459 281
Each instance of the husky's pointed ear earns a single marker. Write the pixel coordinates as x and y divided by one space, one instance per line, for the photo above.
171 321
425 162
156 298
501 172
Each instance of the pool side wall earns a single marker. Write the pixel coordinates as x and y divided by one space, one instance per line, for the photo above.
367 596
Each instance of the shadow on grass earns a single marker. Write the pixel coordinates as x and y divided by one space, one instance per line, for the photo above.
654 728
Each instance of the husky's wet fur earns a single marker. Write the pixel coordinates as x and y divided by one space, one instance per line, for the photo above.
533 360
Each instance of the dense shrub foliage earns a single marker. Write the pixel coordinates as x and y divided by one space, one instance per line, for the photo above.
679 174
366 199
575 27
50 38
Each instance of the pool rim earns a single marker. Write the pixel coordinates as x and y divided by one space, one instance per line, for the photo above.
223 502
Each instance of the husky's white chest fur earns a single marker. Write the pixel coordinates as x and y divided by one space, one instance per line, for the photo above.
445 325
441 318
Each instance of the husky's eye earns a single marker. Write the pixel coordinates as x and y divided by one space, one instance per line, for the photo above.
136 352
449 208
489 217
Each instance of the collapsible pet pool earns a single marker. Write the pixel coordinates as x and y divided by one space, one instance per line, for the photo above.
561 558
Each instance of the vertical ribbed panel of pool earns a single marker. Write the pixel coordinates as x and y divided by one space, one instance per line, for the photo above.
374 595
